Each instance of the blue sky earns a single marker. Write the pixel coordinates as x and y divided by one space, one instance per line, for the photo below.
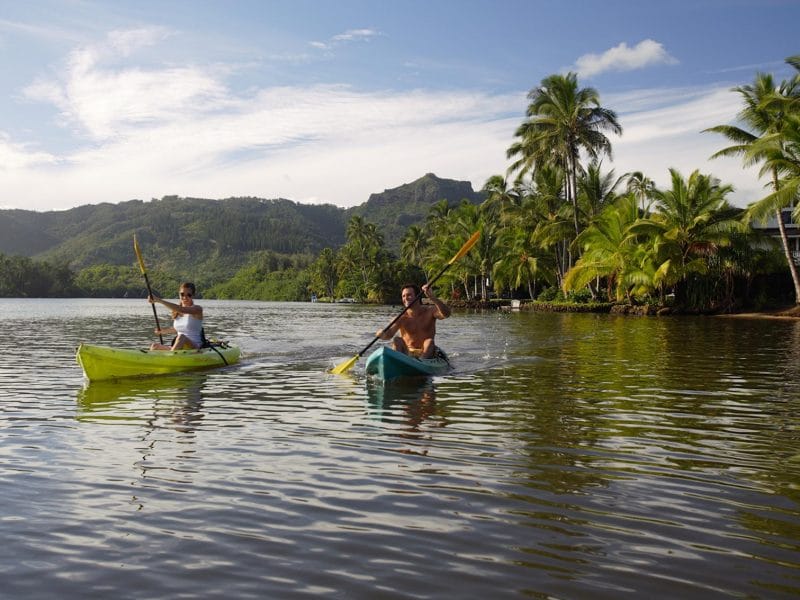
330 101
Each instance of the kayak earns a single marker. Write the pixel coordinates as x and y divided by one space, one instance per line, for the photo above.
386 364
102 362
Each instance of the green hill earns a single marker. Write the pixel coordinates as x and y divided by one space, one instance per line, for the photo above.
209 240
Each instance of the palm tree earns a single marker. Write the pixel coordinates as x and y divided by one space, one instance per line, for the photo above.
596 191
437 216
641 186
780 153
563 120
534 226
767 110
521 262
323 273
609 250
362 257
413 246
692 220
545 211
500 196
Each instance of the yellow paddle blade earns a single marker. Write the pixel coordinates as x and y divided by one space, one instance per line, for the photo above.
138 253
345 366
466 247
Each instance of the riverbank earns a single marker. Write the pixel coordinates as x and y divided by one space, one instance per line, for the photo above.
786 312
791 313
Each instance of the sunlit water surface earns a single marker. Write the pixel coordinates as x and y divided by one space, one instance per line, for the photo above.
566 456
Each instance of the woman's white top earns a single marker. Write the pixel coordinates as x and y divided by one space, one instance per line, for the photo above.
190 327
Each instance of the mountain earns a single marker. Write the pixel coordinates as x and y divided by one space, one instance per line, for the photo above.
214 237
394 210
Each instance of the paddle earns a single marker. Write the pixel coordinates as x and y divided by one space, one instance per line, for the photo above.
348 364
147 281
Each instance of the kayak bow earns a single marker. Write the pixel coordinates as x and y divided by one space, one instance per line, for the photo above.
386 364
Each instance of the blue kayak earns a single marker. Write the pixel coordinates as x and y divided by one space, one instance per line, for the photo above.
386 364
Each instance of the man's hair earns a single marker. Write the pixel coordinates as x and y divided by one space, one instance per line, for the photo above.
413 286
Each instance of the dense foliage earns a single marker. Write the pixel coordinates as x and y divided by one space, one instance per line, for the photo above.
22 277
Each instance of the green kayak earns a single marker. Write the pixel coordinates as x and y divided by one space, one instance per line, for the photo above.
386 364
102 362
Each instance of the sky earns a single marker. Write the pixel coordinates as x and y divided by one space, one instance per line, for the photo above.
329 101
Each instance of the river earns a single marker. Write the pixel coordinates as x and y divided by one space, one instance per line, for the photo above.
565 456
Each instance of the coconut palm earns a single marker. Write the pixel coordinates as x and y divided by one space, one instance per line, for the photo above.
324 276
768 108
549 217
692 220
608 250
500 196
563 121
413 246
361 257
642 187
596 191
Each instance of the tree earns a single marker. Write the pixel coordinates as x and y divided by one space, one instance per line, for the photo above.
692 221
362 261
609 251
414 245
641 186
770 114
596 191
324 275
562 121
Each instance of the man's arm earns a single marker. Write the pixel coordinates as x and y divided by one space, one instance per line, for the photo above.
389 333
442 310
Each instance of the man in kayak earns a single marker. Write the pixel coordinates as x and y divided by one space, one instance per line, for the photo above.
417 327
187 320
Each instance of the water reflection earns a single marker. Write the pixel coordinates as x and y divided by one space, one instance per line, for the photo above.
172 401
409 404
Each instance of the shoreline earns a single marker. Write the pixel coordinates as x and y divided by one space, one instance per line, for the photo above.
790 313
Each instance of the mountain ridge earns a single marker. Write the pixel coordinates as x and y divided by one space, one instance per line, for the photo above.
216 235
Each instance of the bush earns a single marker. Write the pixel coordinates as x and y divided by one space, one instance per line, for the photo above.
582 296
551 294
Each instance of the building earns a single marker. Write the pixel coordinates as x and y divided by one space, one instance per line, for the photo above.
792 231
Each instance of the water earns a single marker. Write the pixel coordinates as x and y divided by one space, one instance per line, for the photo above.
567 456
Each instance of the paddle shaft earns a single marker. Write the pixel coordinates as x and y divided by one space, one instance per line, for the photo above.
155 312
405 310
147 283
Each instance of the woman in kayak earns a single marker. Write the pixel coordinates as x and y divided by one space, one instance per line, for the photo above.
187 320
417 327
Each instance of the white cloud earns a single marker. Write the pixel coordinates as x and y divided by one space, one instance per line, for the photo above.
351 35
127 41
105 101
15 157
624 58
355 35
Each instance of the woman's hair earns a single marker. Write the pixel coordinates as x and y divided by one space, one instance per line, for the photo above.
189 286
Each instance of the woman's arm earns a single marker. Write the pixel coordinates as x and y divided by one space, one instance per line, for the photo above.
194 309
